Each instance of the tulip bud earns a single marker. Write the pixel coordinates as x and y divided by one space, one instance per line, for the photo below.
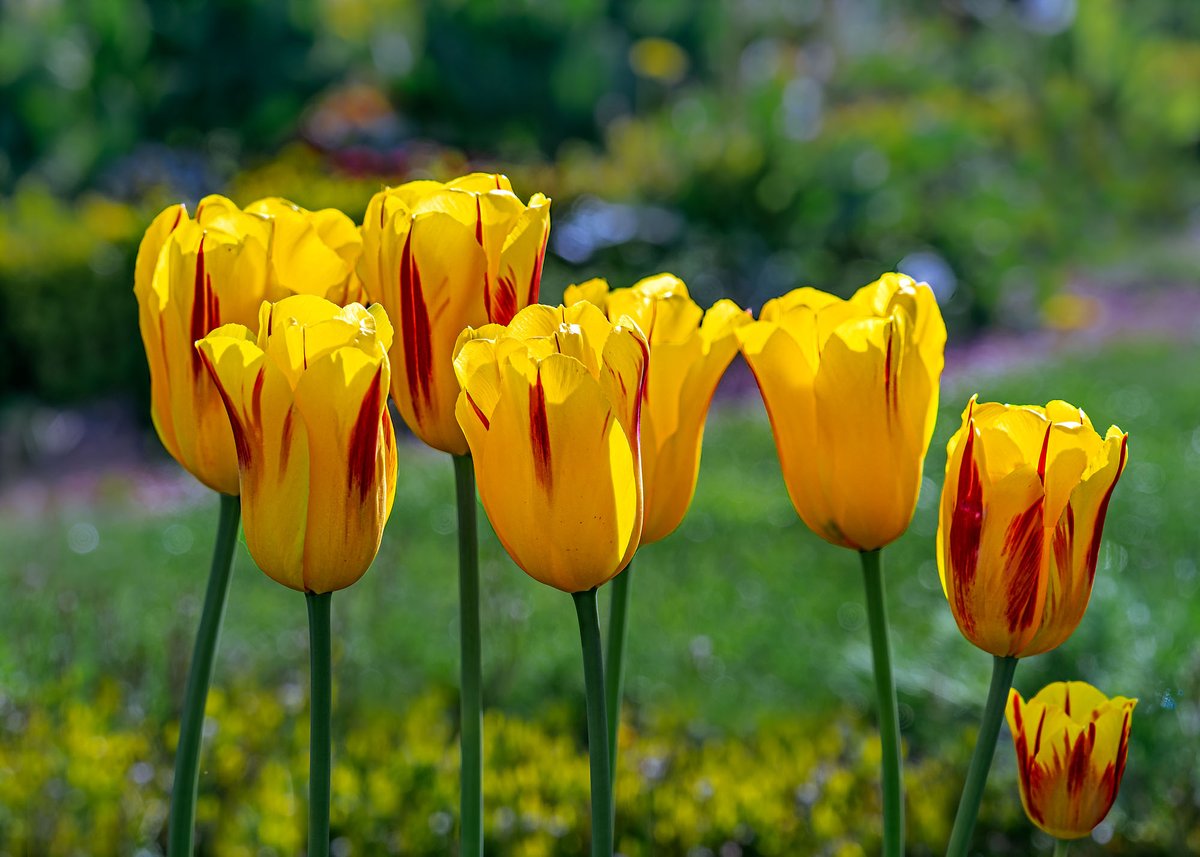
440 258
689 357
1023 507
851 388
551 408
316 452
1071 742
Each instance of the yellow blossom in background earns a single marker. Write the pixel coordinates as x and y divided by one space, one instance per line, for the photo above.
689 351
1022 512
311 252
315 444
1071 743
851 387
440 258
551 407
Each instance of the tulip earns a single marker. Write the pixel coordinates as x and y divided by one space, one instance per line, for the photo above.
312 252
851 387
442 257
316 451
1023 507
1071 742
551 409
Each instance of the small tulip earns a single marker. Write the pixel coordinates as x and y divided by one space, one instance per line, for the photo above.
1023 507
191 276
551 408
1071 742
440 258
312 252
689 357
315 446
851 388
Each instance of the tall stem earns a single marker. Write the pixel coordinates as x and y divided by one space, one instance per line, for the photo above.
981 759
320 711
889 716
614 662
181 827
1061 847
593 679
471 699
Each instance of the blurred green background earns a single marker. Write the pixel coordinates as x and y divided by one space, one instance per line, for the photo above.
1034 160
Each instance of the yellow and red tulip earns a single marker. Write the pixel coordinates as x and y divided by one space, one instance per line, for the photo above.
851 388
312 252
551 409
690 350
1071 742
440 258
1023 507
307 401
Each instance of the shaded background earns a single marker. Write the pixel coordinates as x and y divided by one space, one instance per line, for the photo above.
1034 161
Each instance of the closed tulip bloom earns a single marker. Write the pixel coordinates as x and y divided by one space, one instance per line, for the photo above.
1023 507
690 350
851 388
1071 742
315 447
193 275
440 258
312 252
551 408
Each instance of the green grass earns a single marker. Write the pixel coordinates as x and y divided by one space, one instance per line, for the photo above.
740 617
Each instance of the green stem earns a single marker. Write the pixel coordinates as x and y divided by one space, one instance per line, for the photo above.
471 699
889 716
614 662
182 822
1061 847
593 676
320 711
981 759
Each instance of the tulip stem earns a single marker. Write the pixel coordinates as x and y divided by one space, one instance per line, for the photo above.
471 697
889 716
181 827
1061 847
981 759
320 710
593 675
614 662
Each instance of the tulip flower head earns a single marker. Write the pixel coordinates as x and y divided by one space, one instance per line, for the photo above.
1071 742
1022 511
689 356
851 388
551 408
307 401
311 252
440 258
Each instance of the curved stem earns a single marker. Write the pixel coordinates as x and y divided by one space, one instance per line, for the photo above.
181 827
981 759
320 711
471 699
593 676
1061 847
614 662
889 716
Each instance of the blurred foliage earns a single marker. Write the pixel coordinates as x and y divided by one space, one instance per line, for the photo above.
987 146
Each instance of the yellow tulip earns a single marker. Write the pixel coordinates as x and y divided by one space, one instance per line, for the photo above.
1023 507
440 258
851 388
312 252
316 452
191 276
551 406
1071 742
689 356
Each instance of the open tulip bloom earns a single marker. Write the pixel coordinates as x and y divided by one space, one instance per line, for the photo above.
690 349
851 388
551 406
440 258
1071 742
307 400
1022 512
